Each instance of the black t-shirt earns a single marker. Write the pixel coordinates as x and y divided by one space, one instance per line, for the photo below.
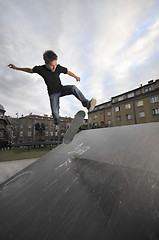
51 79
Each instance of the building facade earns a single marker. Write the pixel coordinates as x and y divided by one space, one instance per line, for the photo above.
140 105
32 129
35 128
6 133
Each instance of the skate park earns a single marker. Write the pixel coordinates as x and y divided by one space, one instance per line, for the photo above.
103 185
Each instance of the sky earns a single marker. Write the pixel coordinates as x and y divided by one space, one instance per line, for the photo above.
112 45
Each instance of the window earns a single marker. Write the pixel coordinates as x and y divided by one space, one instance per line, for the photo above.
120 98
102 124
155 111
109 113
128 106
118 118
1 134
101 107
148 89
138 92
2 125
128 116
46 134
95 116
131 95
29 126
101 115
90 118
140 103
109 122
21 134
117 109
29 133
154 99
141 114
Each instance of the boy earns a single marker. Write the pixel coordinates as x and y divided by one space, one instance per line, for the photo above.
50 73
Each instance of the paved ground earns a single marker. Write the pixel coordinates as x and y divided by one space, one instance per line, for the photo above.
9 168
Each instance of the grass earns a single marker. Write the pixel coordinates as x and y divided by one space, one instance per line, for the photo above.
18 153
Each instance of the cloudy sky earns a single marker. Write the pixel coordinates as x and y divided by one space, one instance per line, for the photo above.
112 45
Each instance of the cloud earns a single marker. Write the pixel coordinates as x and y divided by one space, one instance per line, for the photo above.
111 45
115 55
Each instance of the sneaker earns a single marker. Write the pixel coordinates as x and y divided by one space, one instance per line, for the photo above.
91 104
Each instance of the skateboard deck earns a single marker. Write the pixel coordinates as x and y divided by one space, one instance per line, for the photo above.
73 129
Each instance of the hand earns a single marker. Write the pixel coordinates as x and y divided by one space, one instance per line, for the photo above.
12 66
78 79
73 75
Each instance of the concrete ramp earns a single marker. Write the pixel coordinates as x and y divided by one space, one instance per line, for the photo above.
104 185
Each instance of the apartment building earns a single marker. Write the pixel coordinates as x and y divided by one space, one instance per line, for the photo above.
33 128
140 105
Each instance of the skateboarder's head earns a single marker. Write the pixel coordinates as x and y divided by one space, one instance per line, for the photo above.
50 59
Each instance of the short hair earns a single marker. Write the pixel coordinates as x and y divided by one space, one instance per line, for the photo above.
49 55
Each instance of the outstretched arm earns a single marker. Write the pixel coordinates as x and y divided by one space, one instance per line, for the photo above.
28 70
73 75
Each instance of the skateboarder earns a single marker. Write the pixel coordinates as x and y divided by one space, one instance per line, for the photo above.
50 72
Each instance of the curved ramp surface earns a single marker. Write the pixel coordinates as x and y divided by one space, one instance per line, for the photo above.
104 185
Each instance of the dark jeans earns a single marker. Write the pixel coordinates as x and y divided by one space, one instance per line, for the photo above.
66 90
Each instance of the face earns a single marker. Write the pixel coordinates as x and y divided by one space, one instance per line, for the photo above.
52 65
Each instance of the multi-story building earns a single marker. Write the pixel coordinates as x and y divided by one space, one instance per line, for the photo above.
6 134
33 128
140 105
15 127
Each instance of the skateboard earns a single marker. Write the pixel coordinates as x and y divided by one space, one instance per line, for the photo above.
73 129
